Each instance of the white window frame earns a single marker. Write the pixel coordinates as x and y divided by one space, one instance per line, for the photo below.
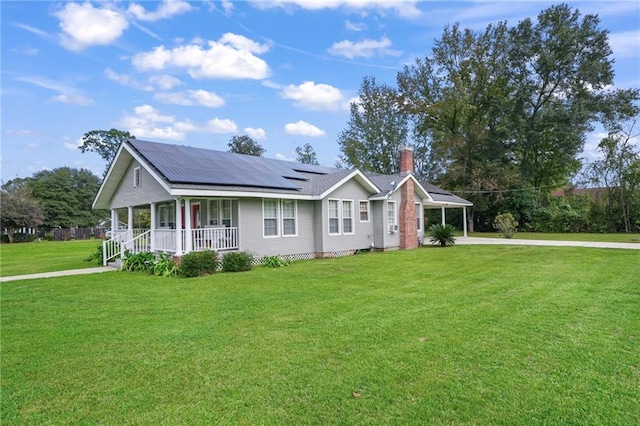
220 219
276 218
392 219
137 177
337 217
360 211
350 218
294 218
419 213
166 216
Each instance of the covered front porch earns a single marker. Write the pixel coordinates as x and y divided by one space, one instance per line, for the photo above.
176 227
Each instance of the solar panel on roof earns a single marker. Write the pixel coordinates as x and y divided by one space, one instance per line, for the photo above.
182 164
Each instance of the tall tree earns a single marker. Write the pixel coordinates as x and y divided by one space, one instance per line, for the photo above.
306 155
245 145
618 170
105 143
66 196
376 129
19 208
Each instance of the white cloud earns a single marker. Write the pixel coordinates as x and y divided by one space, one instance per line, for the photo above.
126 80
303 128
191 97
232 57
167 9
66 94
83 25
218 125
366 48
314 96
405 9
258 133
71 144
73 99
355 26
271 84
165 81
227 5
148 122
625 44
28 51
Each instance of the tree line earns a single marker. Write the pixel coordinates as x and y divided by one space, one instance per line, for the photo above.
500 117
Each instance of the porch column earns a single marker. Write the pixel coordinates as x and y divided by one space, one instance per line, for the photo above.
464 221
188 242
114 221
178 227
130 223
152 231
443 217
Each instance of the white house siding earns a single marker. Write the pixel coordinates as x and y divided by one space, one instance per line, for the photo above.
250 229
363 231
149 190
379 219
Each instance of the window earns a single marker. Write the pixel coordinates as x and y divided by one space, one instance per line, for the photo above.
364 211
226 213
391 216
419 216
136 177
270 217
214 212
167 216
347 217
289 217
219 213
334 218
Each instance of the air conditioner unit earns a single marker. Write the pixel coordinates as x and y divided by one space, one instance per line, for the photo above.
393 228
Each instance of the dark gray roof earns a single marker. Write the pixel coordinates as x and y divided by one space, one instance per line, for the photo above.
386 183
180 164
441 195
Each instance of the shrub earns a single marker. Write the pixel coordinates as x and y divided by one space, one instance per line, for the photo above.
96 256
442 235
506 224
164 266
198 263
236 261
139 262
275 261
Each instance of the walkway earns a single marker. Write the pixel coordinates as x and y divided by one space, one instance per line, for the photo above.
515 241
57 274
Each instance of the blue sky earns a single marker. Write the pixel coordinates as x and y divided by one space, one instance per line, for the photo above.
197 73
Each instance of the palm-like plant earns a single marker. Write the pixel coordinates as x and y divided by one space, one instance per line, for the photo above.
442 235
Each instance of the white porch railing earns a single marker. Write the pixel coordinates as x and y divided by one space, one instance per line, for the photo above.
164 240
214 239
135 241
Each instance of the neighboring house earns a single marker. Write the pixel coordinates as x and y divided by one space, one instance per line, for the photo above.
201 199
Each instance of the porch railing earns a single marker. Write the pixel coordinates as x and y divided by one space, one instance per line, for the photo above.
116 247
214 239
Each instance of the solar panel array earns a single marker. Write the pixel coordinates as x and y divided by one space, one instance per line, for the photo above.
183 164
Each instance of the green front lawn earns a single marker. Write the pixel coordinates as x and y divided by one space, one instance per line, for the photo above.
463 335
45 256
609 238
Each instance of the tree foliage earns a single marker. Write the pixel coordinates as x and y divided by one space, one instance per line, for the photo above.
376 130
306 155
245 145
105 143
19 208
65 195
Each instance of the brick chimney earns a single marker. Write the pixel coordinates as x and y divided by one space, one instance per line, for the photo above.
408 217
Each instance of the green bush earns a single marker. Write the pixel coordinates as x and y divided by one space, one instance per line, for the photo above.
506 224
442 235
275 261
198 263
164 266
139 262
236 261
96 256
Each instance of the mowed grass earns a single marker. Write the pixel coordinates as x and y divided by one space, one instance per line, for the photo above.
45 256
462 335
605 238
